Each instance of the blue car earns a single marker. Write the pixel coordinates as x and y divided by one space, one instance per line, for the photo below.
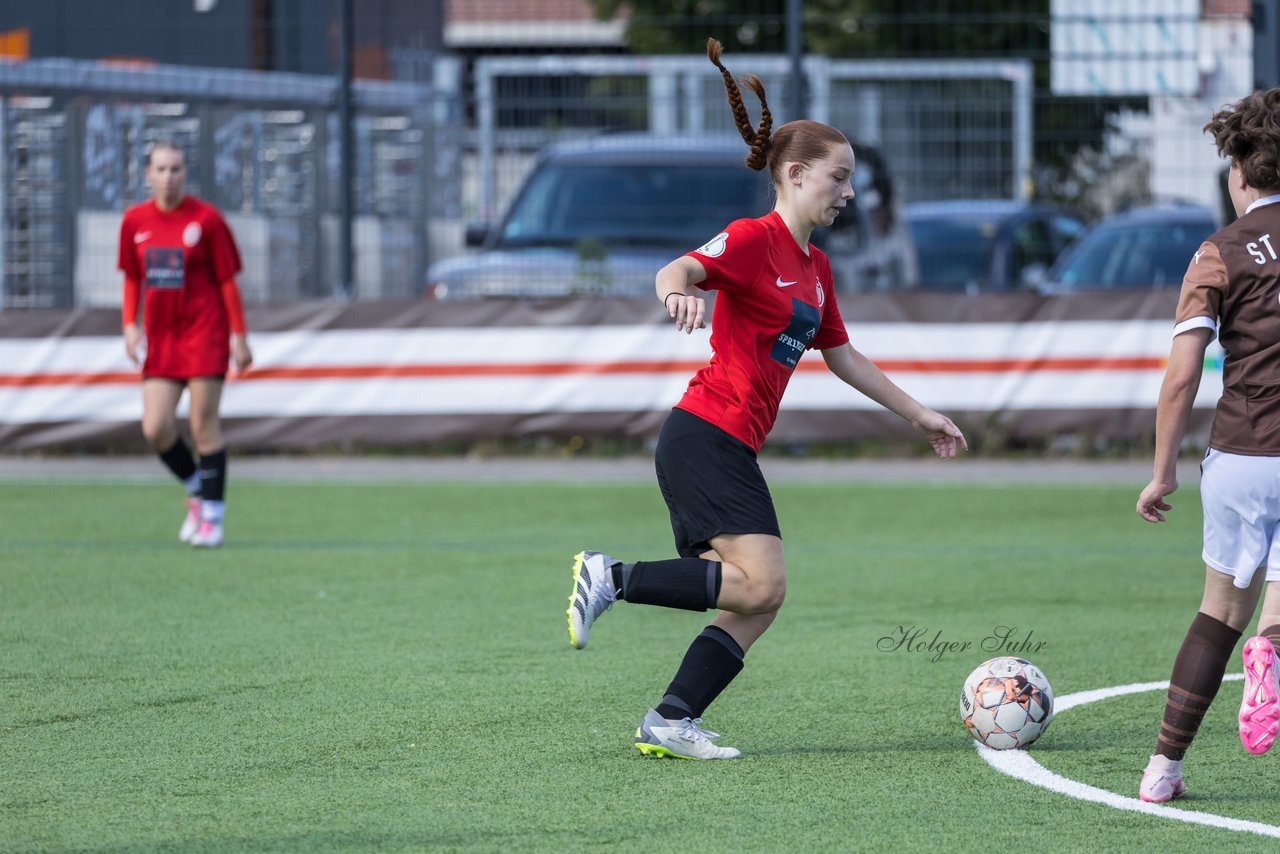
987 245
1141 248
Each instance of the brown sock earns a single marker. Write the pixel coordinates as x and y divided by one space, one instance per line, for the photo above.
1272 633
1197 675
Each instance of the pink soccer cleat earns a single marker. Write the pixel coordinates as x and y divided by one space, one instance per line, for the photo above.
208 535
1260 708
191 524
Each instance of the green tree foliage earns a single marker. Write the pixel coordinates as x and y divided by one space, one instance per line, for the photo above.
1065 128
838 28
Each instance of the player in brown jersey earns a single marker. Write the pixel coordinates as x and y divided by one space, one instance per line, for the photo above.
1232 289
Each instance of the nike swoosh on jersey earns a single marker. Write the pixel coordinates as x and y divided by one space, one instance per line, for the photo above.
783 284
141 236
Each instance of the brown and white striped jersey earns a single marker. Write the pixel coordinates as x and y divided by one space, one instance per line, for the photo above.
1233 286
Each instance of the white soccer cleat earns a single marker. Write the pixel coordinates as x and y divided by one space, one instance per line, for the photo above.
682 739
208 535
192 523
1162 780
593 593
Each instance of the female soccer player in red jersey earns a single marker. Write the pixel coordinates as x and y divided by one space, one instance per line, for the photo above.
776 300
181 250
1230 290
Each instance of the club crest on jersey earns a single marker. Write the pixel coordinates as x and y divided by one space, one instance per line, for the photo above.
191 234
714 247
821 296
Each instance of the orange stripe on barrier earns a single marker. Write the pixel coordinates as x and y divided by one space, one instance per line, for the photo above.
1007 366
24 380
547 369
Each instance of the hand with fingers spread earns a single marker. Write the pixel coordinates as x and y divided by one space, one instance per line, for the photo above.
942 433
689 312
1151 502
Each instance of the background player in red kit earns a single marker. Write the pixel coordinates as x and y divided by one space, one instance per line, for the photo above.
1232 288
776 300
181 250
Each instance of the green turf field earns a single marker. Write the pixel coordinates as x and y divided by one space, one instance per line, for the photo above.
385 667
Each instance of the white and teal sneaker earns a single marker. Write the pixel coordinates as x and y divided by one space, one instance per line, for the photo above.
593 593
682 739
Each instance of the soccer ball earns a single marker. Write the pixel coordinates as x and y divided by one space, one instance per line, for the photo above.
1006 702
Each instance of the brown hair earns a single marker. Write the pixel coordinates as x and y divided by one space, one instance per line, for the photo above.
1248 132
800 141
165 145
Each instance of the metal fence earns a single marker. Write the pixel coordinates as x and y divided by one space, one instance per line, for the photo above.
263 147
961 103
954 128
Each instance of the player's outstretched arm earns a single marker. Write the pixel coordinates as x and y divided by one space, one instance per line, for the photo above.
1177 394
859 372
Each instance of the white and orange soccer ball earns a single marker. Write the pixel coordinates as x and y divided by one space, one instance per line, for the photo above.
1006 702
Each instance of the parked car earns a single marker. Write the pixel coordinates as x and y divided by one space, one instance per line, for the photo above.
870 245
979 245
1147 247
601 216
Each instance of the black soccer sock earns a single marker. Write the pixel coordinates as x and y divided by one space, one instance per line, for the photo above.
713 660
689 583
1197 675
213 475
178 459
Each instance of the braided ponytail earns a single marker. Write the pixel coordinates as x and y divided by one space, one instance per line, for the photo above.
760 138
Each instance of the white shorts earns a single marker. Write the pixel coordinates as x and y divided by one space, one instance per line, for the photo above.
1241 500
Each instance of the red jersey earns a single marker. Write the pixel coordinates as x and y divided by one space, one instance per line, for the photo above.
775 302
181 257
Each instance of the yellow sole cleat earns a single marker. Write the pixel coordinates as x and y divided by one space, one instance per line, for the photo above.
573 597
593 594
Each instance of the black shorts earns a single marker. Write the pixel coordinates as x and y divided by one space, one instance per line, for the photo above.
712 484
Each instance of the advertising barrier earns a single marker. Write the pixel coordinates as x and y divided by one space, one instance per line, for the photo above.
412 372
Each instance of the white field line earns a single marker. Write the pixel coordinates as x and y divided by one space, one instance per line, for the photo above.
1019 764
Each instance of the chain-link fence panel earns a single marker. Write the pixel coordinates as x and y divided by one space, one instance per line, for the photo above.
262 147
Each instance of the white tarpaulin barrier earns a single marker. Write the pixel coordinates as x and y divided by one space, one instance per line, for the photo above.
356 365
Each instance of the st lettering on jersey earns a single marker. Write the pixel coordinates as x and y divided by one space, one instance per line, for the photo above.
793 340
164 268
1258 257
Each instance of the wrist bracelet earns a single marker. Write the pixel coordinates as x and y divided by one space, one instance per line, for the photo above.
669 296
